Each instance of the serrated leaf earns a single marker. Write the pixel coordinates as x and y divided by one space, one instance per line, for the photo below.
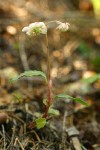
72 98
92 79
40 123
30 73
54 111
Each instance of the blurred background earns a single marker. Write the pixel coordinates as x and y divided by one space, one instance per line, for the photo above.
74 55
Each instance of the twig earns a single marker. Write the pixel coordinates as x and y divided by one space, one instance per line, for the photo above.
76 143
63 133
12 138
19 119
73 134
17 140
38 138
3 130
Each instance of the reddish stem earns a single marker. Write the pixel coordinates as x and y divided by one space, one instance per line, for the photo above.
49 99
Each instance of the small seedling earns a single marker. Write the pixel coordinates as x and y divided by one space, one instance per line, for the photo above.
35 29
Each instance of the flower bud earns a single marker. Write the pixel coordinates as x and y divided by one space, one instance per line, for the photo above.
62 26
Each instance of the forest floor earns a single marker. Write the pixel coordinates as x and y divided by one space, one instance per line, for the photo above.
74 55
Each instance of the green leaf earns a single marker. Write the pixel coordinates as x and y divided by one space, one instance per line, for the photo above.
54 111
29 73
63 96
40 123
92 79
72 98
80 101
45 101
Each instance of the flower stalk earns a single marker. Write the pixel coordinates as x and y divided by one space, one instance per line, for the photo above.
49 98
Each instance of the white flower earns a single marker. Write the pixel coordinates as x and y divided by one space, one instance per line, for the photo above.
35 29
62 26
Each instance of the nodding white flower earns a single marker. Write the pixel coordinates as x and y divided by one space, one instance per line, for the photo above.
62 26
35 29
